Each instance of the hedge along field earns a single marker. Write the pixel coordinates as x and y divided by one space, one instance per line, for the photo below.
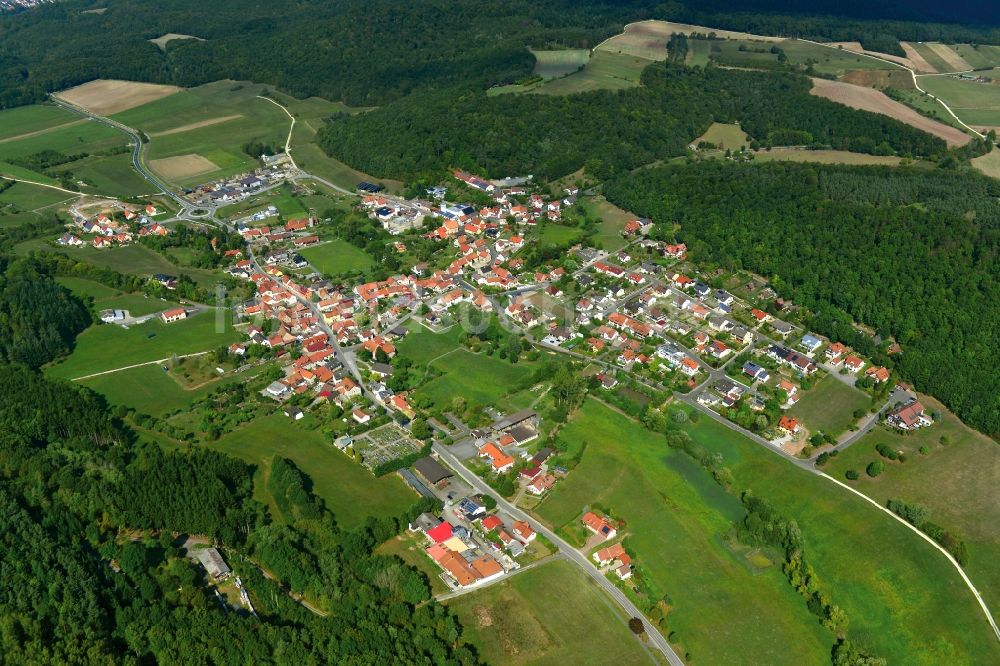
902 596
675 516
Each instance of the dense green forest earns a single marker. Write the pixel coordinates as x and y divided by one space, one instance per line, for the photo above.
369 52
82 585
608 132
362 52
912 253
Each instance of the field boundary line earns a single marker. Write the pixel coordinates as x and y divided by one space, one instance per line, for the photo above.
136 365
961 572
52 187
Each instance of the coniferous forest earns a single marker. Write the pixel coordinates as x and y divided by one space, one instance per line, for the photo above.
911 253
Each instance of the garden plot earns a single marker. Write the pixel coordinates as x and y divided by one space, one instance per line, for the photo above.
384 444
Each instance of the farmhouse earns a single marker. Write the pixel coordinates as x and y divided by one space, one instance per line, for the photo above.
170 316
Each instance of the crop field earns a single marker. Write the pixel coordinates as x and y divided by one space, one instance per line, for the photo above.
724 136
676 516
891 583
553 64
988 164
648 39
606 70
925 58
829 406
552 614
978 56
956 481
824 157
105 347
975 103
349 490
858 97
104 97
337 257
211 122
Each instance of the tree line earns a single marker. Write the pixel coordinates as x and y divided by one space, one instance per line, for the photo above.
911 253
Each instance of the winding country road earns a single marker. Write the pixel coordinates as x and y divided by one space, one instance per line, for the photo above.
656 639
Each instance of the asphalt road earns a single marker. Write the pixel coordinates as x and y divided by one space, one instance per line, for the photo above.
656 639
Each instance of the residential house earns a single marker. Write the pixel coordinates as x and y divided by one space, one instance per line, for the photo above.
909 417
599 525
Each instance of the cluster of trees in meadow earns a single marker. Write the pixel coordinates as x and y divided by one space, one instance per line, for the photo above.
910 253
608 132
206 246
74 481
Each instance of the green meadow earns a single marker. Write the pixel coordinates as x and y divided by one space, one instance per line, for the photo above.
676 517
891 583
337 257
553 614
105 347
829 406
349 490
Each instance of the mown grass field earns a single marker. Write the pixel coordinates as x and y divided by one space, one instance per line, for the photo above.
553 64
724 136
988 164
348 489
70 139
337 257
891 583
478 378
613 220
829 406
24 197
112 175
106 298
106 347
829 61
131 259
975 103
34 118
824 157
604 71
150 390
552 614
676 515
173 125
559 235
956 481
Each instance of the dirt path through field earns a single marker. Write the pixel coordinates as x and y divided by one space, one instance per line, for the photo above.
28 135
198 125
868 99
